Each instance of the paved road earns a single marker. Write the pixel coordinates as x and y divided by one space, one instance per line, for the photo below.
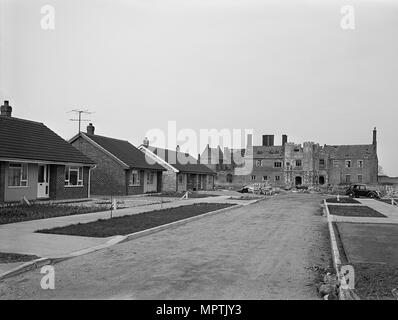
262 251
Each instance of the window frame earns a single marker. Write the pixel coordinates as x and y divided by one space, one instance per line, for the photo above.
349 178
298 161
265 178
21 166
279 164
277 178
348 163
360 180
360 164
80 176
253 178
138 181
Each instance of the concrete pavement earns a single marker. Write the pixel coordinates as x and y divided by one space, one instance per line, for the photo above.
21 237
261 251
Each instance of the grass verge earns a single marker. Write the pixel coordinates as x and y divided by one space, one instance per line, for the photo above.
375 281
6 257
193 195
355 211
342 200
19 213
138 222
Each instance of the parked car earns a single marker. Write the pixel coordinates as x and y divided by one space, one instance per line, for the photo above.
361 190
246 189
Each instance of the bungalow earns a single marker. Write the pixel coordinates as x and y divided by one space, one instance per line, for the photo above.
36 163
121 168
183 171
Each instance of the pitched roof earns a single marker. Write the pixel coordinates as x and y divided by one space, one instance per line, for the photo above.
183 162
125 152
353 151
265 152
29 140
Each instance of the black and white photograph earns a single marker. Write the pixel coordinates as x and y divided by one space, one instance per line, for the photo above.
200 155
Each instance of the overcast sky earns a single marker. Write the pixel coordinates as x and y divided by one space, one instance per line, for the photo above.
272 66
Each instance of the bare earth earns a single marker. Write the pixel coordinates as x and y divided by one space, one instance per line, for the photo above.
261 251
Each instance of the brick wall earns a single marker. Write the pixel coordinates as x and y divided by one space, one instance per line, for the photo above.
169 181
2 180
59 191
135 189
109 177
337 172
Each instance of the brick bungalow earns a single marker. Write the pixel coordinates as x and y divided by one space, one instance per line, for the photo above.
183 171
36 163
121 168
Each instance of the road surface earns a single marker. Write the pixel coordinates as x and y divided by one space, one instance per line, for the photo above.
261 251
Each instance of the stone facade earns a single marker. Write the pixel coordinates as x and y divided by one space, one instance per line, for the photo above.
307 164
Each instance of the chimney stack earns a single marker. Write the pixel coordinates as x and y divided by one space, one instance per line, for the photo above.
268 140
284 139
90 129
178 148
146 142
198 157
6 109
249 143
374 136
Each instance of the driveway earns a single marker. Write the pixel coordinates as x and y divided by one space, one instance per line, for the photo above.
261 251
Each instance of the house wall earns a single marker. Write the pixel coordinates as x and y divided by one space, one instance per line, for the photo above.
131 190
181 187
169 181
59 191
108 177
17 193
2 180
337 173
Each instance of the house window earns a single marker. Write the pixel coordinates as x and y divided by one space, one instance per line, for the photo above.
277 178
360 163
348 163
322 162
348 178
360 178
73 176
265 178
18 175
229 178
149 177
277 164
135 178
336 163
298 163
258 163
253 177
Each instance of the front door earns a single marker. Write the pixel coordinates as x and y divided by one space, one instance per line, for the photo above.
43 181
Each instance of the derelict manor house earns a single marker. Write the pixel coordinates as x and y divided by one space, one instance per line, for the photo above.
291 164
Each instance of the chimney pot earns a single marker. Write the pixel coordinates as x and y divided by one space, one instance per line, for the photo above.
374 136
6 109
178 148
146 142
90 129
284 139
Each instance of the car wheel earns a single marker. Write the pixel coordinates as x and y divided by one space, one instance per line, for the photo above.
351 194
